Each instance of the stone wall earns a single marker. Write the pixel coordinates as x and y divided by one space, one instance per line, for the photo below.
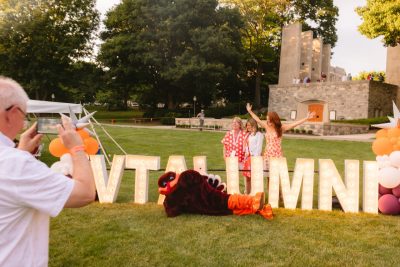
290 53
315 128
332 128
306 55
393 65
350 99
381 96
316 59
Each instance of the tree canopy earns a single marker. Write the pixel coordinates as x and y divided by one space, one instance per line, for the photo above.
381 18
264 21
171 50
40 41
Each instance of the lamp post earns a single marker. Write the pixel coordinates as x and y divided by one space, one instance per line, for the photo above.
240 99
194 106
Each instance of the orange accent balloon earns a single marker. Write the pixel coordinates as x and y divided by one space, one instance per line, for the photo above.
382 146
57 148
396 147
84 134
381 133
393 132
91 145
393 140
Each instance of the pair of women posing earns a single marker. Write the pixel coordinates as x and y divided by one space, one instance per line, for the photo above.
244 144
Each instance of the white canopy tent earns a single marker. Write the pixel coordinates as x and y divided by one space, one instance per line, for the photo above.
37 106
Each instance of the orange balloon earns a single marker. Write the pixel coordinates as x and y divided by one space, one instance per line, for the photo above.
396 147
393 140
382 146
393 132
57 148
91 145
381 133
84 134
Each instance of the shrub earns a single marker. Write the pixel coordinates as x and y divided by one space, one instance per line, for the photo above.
231 109
167 121
296 130
303 131
310 132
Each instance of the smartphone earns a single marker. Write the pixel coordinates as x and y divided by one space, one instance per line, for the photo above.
47 125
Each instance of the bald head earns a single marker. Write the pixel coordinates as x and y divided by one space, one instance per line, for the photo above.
11 93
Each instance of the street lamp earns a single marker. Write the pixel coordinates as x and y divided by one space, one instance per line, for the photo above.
194 106
240 99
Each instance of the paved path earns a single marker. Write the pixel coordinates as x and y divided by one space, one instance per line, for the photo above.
369 137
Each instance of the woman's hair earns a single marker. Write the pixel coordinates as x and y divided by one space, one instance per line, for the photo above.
276 121
239 120
252 123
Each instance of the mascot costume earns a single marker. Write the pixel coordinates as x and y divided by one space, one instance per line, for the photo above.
191 192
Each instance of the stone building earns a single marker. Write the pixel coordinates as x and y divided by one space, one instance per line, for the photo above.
331 98
303 56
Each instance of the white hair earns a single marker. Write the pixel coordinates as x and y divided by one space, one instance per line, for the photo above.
11 93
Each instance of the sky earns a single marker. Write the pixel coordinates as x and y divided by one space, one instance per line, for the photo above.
353 51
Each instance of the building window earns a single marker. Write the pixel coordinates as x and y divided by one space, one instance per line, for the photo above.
293 114
332 115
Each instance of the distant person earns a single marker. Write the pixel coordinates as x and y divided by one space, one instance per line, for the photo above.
306 79
273 132
323 77
349 78
30 192
201 117
381 78
252 147
233 141
369 77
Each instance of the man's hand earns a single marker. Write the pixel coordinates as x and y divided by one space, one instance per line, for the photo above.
68 133
30 139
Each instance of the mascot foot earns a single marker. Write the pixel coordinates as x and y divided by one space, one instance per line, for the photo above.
266 212
242 205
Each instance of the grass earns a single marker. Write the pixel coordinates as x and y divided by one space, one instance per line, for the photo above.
128 234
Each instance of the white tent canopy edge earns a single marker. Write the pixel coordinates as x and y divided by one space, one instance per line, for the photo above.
37 106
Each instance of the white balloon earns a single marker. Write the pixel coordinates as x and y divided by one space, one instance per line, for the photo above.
389 177
66 158
395 158
57 167
384 164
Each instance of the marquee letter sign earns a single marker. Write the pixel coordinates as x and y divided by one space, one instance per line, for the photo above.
107 187
142 165
303 178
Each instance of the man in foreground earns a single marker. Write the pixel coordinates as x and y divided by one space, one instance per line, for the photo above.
29 191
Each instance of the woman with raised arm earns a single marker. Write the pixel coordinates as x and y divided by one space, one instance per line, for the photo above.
273 132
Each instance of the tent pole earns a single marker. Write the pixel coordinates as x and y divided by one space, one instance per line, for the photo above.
115 142
97 137
105 131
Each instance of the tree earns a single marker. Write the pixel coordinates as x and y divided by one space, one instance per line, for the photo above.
376 75
264 21
41 40
381 18
171 50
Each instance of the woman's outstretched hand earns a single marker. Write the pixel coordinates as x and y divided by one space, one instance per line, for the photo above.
249 107
311 115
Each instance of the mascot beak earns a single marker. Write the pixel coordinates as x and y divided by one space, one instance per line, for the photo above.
167 183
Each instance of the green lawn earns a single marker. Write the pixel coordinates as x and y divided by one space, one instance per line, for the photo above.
128 234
